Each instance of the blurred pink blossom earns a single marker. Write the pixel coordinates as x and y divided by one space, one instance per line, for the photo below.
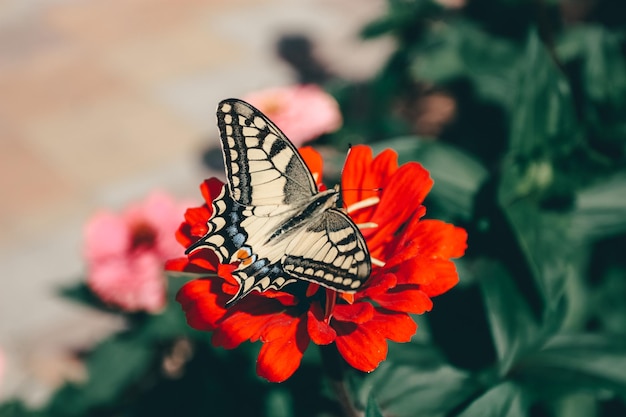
2 367
126 252
302 112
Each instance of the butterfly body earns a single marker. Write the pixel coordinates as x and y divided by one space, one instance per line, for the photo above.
271 219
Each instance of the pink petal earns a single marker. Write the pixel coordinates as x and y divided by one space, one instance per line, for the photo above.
106 235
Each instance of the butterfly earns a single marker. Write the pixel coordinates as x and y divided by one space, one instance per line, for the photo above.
271 220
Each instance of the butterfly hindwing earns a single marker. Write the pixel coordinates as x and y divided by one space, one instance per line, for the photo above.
330 253
271 220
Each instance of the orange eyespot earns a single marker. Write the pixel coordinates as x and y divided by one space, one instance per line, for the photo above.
244 256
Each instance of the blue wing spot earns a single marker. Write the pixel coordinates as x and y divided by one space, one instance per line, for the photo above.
239 239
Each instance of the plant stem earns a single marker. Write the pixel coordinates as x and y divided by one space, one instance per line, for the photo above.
335 369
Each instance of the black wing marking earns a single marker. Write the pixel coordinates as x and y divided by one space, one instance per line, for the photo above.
298 242
331 252
262 166
225 235
228 239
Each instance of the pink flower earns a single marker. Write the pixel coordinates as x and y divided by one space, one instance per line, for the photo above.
302 112
126 252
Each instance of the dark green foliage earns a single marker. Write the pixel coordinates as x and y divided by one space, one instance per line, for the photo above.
533 165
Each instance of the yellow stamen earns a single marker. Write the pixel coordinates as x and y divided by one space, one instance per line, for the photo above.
368 225
368 202
377 262
349 298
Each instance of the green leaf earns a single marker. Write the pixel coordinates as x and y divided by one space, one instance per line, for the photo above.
513 326
606 301
543 237
543 118
424 391
460 49
82 294
504 400
577 363
457 175
169 324
112 367
279 403
371 409
15 408
599 210
603 78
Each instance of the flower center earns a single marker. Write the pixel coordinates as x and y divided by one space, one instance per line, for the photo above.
143 235
272 106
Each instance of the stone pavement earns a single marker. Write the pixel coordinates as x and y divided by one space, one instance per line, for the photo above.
102 101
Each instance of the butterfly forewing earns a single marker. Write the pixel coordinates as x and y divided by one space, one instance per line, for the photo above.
262 166
271 220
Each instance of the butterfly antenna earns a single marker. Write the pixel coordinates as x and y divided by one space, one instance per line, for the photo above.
346 159
378 189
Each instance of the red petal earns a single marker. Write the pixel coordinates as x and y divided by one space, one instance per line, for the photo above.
400 203
407 300
354 174
362 346
225 271
284 298
177 264
314 161
278 326
201 261
253 318
429 239
416 270
395 326
377 284
311 289
321 333
280 358
355 313
198 216
210 189
348 298
365 346
362 175
201 304
439 239
446 277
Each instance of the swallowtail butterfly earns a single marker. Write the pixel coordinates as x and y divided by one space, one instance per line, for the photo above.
271 218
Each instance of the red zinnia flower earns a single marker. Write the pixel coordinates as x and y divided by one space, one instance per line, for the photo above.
410 264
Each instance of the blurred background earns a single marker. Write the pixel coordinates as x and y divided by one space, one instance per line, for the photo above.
515 107
102 101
